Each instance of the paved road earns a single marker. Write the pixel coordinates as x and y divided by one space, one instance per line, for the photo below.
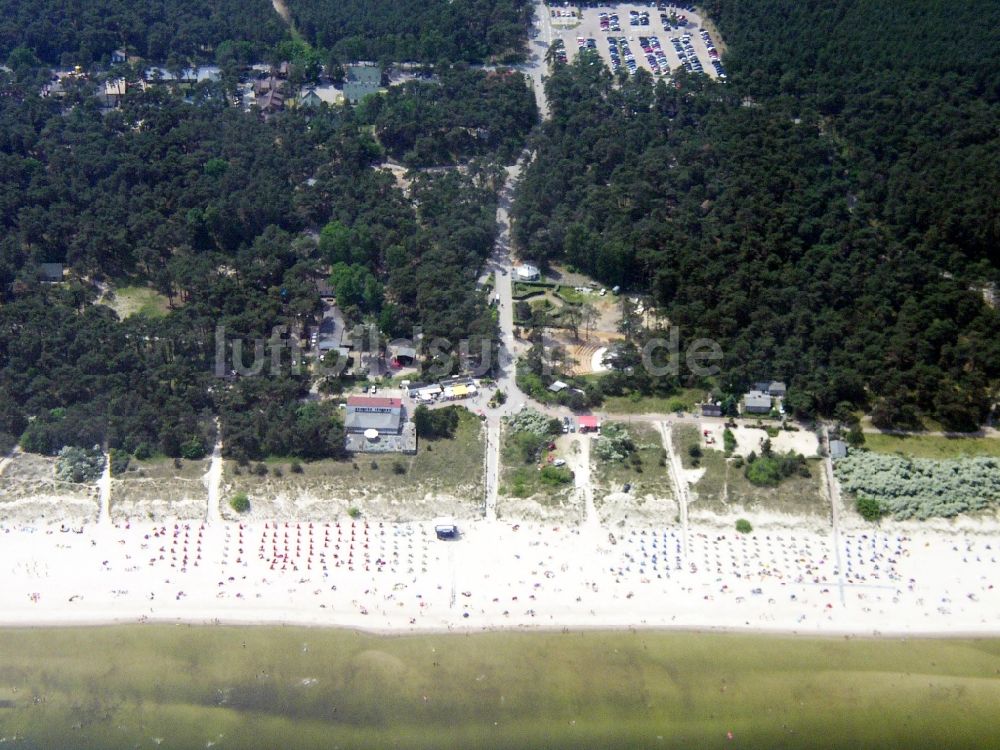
501 265
538 44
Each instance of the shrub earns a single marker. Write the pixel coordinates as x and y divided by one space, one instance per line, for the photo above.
240 502
276 472
143 451
79 464
528 445
921 487
728 440
260 470
870 509
354 512
119 461
398 467
694 451
855 437
614 443
743 526
178 463
555 475
769 470
193 448
374 465
295 468
529 420
435 424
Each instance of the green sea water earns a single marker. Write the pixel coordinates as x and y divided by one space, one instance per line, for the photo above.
266 687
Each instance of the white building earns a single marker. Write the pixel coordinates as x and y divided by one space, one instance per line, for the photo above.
527 272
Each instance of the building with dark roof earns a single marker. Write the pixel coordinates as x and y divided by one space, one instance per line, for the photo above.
376 424
50 272
374 413
711 410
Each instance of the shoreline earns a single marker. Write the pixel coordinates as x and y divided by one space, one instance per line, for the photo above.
693 630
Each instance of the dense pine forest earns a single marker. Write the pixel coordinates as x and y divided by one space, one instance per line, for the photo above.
232 220
83 31
465 113
173 31
829 215
424 30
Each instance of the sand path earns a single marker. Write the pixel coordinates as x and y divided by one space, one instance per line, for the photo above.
213 483
104 490
676 472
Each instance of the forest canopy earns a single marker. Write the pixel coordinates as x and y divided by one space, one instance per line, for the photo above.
827 215
420 30
89 30
231 220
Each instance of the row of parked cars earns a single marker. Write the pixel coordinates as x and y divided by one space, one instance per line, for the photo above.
609 22
635 18
655 55
713 54
619 51
675 23
560 50
686 54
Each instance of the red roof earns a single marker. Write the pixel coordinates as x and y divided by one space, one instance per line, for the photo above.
373 401
588 421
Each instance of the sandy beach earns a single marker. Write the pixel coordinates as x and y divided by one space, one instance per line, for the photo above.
398 577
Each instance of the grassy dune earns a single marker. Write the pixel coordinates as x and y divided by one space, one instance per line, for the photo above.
292 687
932 446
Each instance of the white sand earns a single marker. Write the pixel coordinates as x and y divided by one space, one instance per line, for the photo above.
398 577
751 438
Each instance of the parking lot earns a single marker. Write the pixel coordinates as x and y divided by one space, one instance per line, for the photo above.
658 37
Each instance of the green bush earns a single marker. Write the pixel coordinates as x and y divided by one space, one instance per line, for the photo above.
743 526
79 464
694 451
436 424
354 512
240 502
295 468
769 470
527 445
143 451
870 509
614 443
398 467
728 440
119 461
855 437
921 487
193 449
554 476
